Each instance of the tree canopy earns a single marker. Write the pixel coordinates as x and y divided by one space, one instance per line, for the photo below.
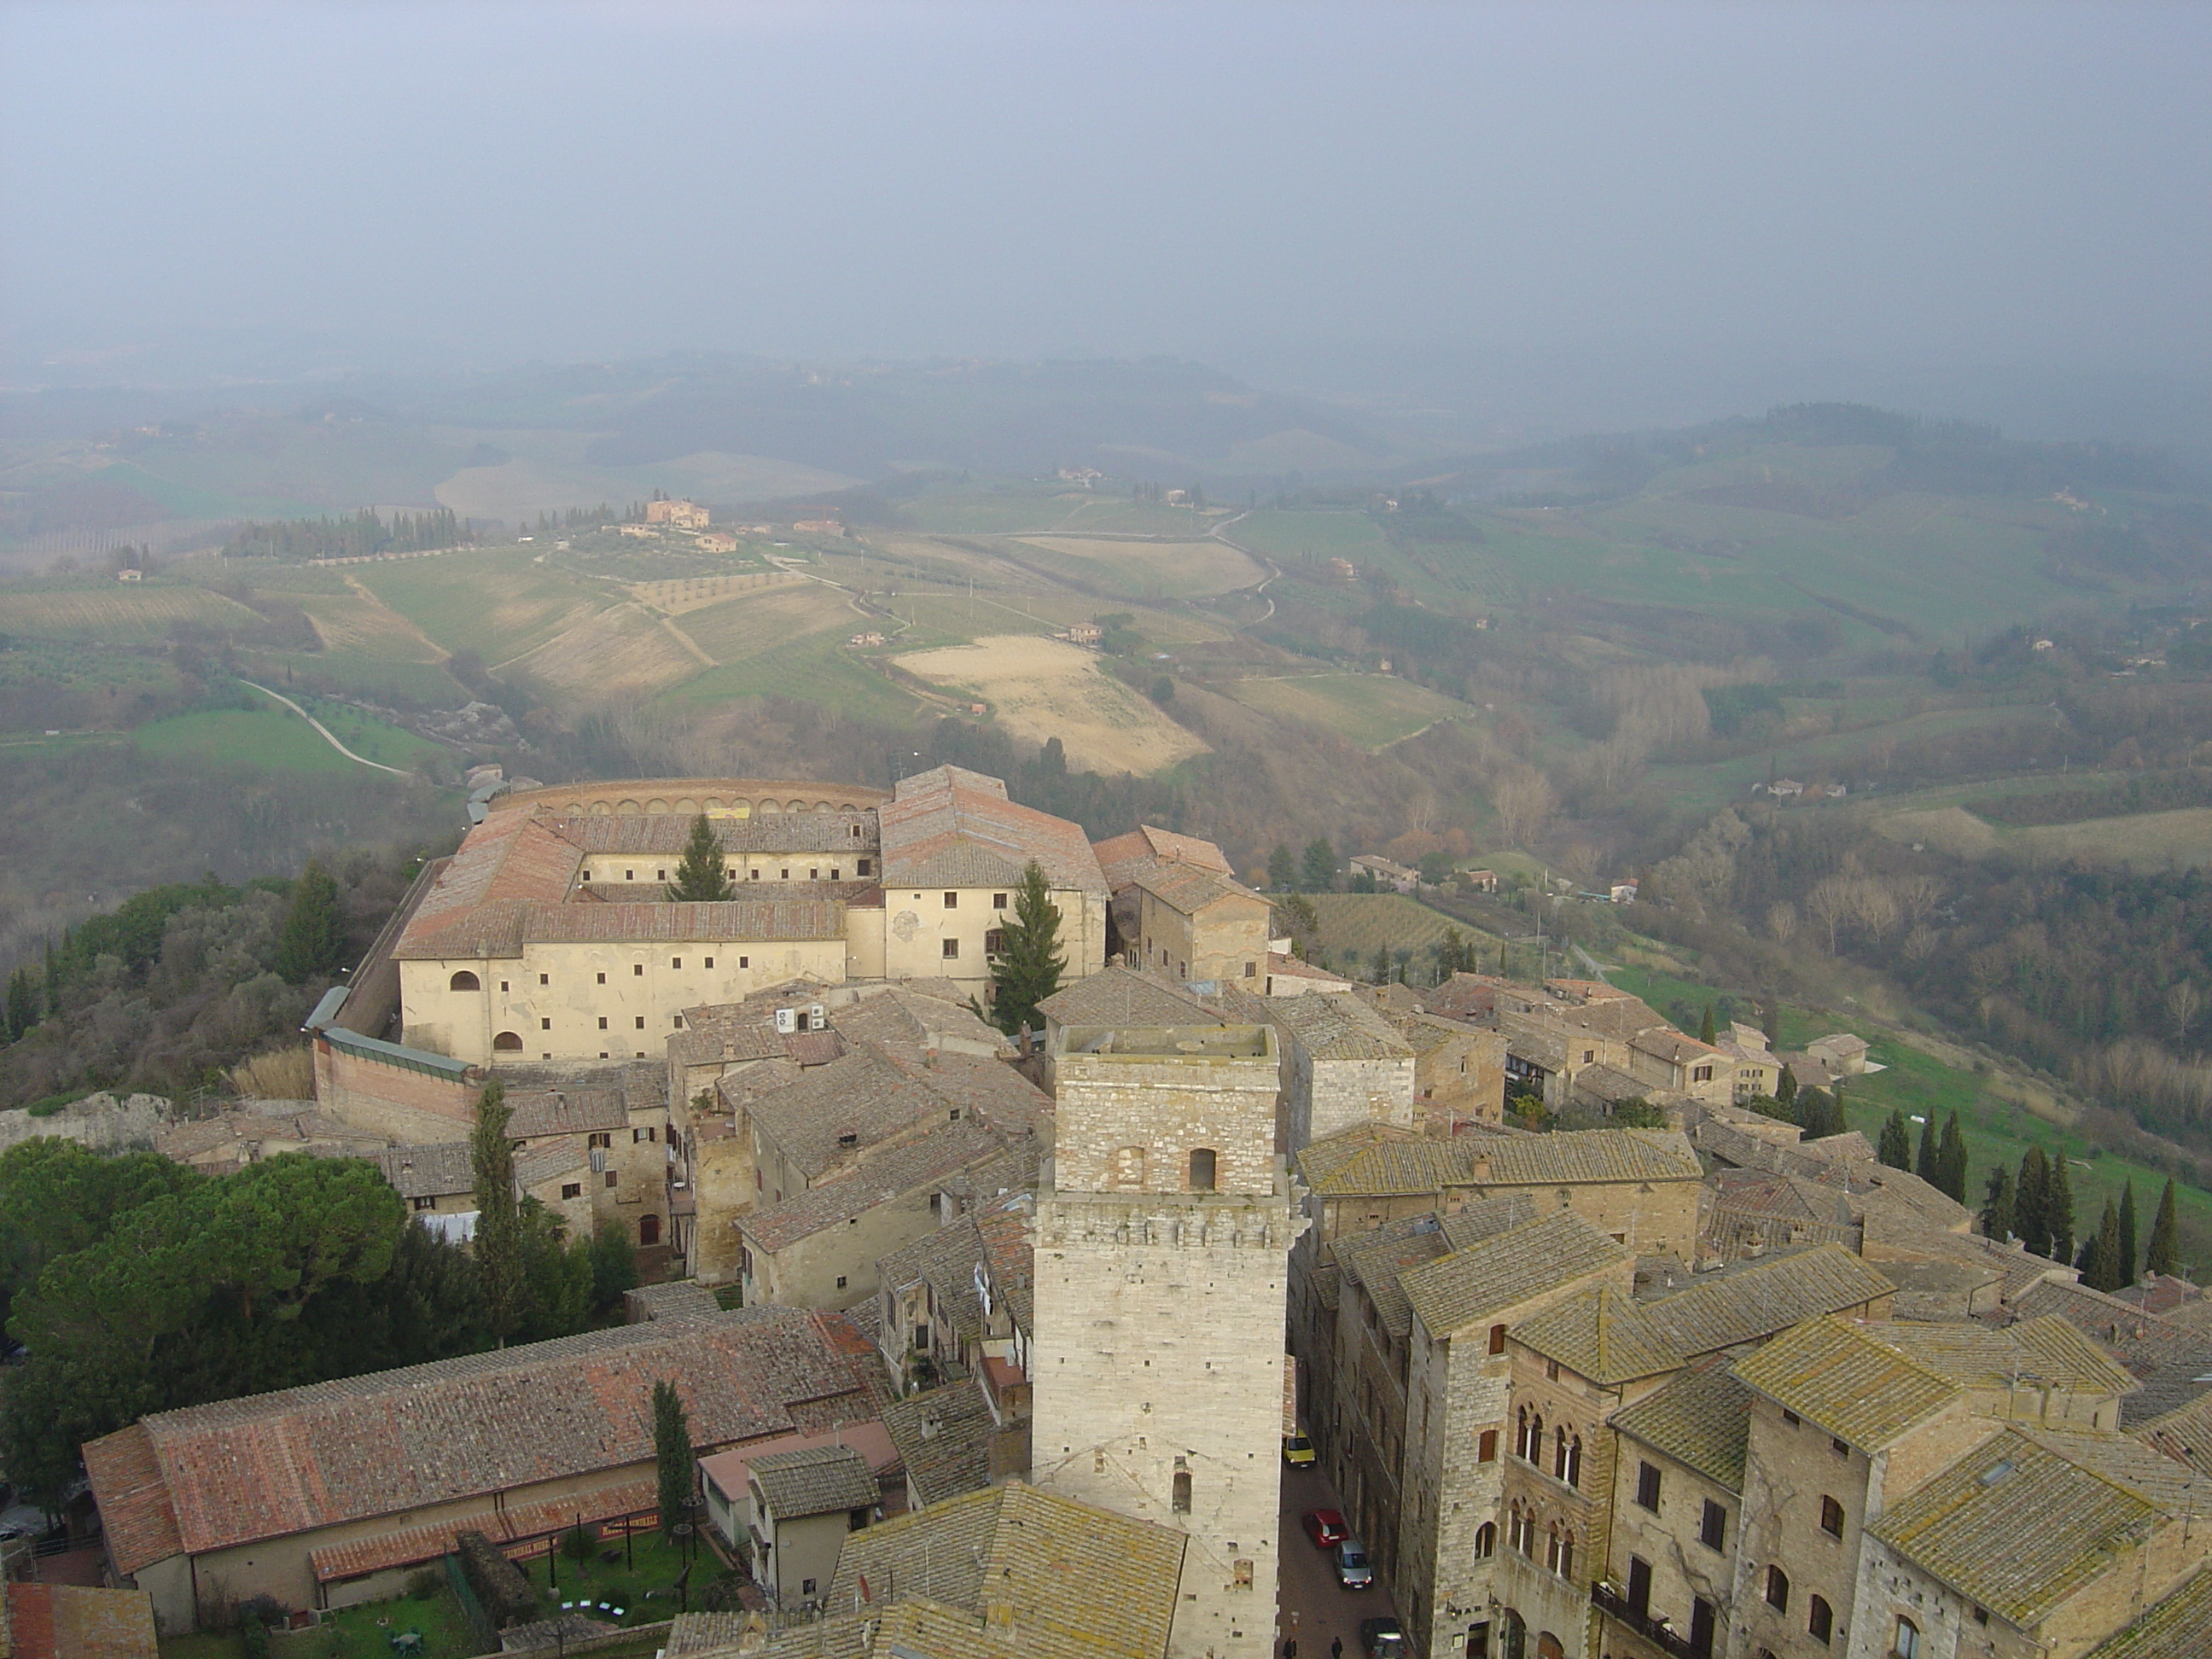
702 878
1028 967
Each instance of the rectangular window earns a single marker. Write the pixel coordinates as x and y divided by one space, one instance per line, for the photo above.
677 1021
1791 1417
1486 1449
641 1022
836 874
1181 1501
630 875
676 962
1498 1338
841 1281
710 962
997 901
752 875
545 979
952 901
814 874
1840 1447
995 941
637 971
660 875
603 979
745 961
644 1134
426 1203
1251 970
572 1189
603 1021
1639 1585
1832 1518
588 875
599 1139
544 1025
1647 1486
1712 1527
862 867
503 985
1702 1620
952 950
612 1177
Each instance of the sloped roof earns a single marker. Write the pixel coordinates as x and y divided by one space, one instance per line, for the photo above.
1375 1159
869 1184
510 860
1119 856
944 1438
1755 1302
1044 1559
1509 1269
270 1465
951 826
1379 1260
1124 996
764 832
2016 1528
1337 1025
814 1481
566 1112
2185 1434
2179 1624
1701 1419
1601 1334
438 1169
77 1621
2046 1351
1186 889
1839 1378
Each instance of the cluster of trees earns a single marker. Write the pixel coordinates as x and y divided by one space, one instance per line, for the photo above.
2037 1207
361 533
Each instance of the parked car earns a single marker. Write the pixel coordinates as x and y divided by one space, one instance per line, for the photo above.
1352 1573
1382 1639
1327 1528
1298 1451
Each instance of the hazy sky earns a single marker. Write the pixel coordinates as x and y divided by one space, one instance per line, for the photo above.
2011 183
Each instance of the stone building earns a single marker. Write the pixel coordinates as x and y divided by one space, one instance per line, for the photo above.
1345 1065
1161 1240
1197 924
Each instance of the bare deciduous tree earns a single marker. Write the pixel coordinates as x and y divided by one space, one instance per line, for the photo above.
1782 921
1525 798
1829 903
2184 1003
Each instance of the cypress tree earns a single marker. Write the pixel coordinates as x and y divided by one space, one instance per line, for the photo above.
702 878
1951 1161
2058 1209
2165 1236
1028 967
1896 1147
1997 1204
1786 1090
311 941
2129 1257
672 1457
2031 1201
1706 1031
1317 869
499 1217
2103 1252
1924 1166
22 1004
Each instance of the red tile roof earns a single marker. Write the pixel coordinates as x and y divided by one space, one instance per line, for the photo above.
135 1510
358 1556
955 828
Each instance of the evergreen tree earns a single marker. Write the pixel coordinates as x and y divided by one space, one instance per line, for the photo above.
1785 1089
1027 969
1951 1161
1997 1204
1924 1166
1282 868
1378 971
2129 1257
499 1242
614 1264
1705 1029
1896 1147
2100 1254
1317 869
311 941
672 1457
702 878
2030 1202
1770 1021
2058 1210
22 1013
2164 1255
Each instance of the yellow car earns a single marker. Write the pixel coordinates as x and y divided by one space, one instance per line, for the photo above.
1298 1450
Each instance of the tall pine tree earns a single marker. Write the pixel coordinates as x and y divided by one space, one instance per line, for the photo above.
1951 1161
2129 1257
1997 1204
1706 1030
702 878
2164 1255
499 1242
1027 967
1925 1164
1785 1089
672 1457
2099 1261
1896 1147
2058 1209
312 940
2030 1202
22 1010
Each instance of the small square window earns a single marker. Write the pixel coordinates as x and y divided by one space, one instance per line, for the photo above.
997 901
710 962
545 979
676 962
752 875
603 979
660 875
862 866
426 1203
637 971
1838 1448
1791 1417
675 1021
503 985
951 950
630 875
836 874
588 875
544 1025
572 1189
952 901
841 1281
641 1022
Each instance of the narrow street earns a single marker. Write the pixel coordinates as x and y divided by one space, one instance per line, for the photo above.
1309 1608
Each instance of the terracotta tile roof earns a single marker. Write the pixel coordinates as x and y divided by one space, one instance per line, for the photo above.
1378 1261
270 1465
906 1019
509 859
2046 1351
566 1112
1041 1560
832 1114
1186 890
1509 1269
1338 1026
738 921
1753 1303
407 1547
2018 1528
135 1505
2185 1434
439 1169
1601 1334
1372 1160
1485 1217
1701 1419
77 1621
765 832
944 1438
1124 996
2179 1624
1120 856
946 1261
951 827
814 1481
1010 1256
876 1181
551 1162
1839 1376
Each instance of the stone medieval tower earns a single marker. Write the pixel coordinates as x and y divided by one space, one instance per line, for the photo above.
1162 1234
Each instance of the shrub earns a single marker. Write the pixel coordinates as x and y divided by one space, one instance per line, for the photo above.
506 1594
424 1583
577 1543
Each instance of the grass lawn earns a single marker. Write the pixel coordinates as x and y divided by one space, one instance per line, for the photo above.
1372 710
365 1632
1998 1124
641 1582
271 738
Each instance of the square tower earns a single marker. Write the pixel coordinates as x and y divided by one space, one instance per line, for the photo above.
1162 1236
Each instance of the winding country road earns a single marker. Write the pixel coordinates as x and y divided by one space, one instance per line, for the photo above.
327 735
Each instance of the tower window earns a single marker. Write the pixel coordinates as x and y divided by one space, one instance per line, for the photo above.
1182 1500
1713 1527
1832 1518
1201 1169
1498 1338
1778 1589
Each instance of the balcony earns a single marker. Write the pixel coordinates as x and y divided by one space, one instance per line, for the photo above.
1660 1632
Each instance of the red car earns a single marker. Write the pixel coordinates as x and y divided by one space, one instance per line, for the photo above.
1326 1527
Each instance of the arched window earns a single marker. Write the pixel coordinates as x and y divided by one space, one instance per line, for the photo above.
1832 1518
1485 1541
1778 1589
1181 1499
1536 1438
1907 1644
465 981
508 1042
1575 1461
1822 1623
1498 1338
1201 1168
1129 1169
1521 1433
648 1230
1559 1453
1552 1547
1567 1554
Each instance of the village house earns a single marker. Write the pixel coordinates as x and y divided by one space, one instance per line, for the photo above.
258 1129
682 514
716 541
330 1494
1198 927
819 527
802 1505
744 1521
1288 975
1386 873
1344 1065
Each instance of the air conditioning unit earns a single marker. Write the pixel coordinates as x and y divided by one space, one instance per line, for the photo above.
787 1021
818 1019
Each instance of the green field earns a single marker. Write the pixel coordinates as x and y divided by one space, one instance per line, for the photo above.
500 603
113 611
1373 710
276 740
817 670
